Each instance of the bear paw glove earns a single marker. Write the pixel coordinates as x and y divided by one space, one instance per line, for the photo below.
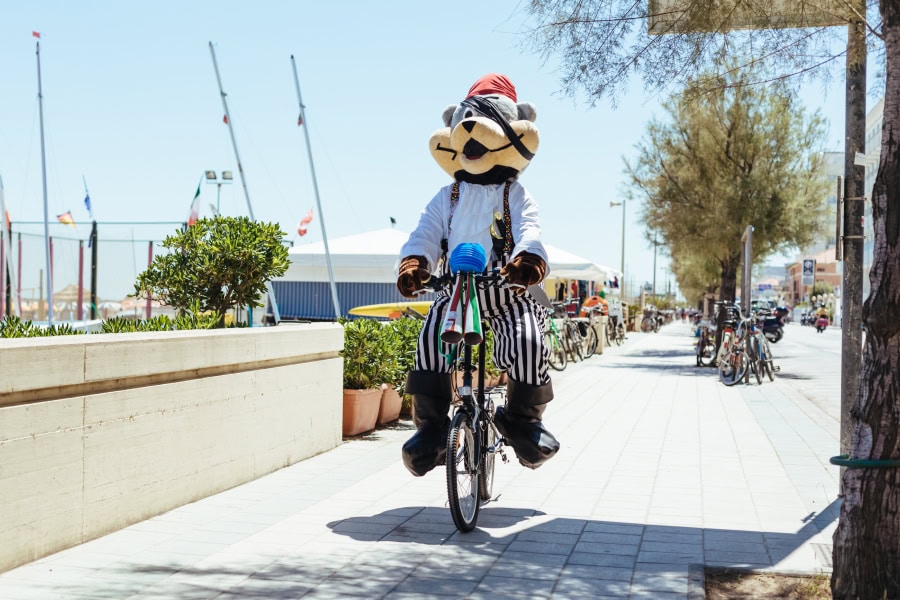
413 274
525 269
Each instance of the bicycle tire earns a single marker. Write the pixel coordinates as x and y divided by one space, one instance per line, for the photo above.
620 334
706 351
486 478
576 342
753 358
610 334
462 472
590 342
767 359
732 367
647 325
557 357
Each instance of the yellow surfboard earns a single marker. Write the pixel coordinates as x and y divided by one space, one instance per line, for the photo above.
391 310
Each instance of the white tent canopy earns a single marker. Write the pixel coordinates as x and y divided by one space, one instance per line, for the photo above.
373 257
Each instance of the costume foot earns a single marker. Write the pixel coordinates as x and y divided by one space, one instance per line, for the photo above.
426 449
532 442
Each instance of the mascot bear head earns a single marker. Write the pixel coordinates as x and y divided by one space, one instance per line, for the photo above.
488 138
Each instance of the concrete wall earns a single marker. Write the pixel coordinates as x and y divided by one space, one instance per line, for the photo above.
101 431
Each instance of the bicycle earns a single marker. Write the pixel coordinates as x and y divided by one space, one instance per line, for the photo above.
706 344
588 331
558 358
473 440
571 337
731 359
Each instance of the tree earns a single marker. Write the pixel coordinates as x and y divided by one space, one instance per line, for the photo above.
221 263
601 43
741 157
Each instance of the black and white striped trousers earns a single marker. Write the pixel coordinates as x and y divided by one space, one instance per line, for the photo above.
518 326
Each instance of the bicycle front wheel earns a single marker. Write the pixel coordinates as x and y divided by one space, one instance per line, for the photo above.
706 351
590 342
462 472
620 334
733 366
558 359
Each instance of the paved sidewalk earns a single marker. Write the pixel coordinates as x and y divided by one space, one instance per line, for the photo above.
662 469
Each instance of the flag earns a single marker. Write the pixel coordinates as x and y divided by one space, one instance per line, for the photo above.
225 119
393 221
300 120
66 219
36 34
195 207
301 229
87 205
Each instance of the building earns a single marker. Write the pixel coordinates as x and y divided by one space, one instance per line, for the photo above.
874 122
827 270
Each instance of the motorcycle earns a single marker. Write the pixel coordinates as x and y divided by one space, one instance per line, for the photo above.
821 324
773 325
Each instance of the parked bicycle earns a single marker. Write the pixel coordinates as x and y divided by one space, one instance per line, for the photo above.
573 341
553 340
731 358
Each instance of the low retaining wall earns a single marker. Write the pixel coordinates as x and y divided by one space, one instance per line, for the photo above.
101 431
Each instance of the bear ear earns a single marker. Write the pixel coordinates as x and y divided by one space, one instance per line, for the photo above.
527 111
448 114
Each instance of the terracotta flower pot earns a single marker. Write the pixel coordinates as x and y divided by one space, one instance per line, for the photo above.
360 410
390 405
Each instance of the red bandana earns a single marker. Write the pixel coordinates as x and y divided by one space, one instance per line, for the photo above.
493 83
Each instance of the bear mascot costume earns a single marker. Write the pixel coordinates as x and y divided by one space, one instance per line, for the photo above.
487 141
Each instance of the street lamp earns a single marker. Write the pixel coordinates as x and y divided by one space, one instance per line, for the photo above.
226 179
622 257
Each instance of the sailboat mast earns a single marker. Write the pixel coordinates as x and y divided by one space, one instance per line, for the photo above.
44 180
312 169
270 292
237 156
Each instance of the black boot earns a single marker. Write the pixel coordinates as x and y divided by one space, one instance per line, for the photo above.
520 423
427 448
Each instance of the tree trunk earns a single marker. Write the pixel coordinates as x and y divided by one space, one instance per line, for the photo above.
867 539
729 278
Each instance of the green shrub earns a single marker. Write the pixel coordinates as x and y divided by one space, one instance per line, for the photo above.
370 354
406 333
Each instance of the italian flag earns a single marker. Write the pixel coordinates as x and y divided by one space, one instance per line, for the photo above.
195 206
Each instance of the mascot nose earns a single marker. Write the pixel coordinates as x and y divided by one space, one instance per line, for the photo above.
468 126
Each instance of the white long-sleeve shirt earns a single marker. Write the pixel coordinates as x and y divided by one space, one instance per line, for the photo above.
472 219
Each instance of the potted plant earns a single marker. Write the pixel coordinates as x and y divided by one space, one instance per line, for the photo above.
406 335
389 375
363 342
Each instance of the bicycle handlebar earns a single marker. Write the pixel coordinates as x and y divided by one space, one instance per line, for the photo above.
482 280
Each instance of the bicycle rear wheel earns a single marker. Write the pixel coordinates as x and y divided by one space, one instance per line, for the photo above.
486 478
620 334
558 359
462 472
755 362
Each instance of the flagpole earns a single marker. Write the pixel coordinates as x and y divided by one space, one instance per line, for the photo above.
312 168
271 292
7 243
44 180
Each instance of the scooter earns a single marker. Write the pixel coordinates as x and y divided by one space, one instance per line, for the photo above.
773 325
821 324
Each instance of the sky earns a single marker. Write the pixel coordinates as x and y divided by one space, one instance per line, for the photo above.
132 109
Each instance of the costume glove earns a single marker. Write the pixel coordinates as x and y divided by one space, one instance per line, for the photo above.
413 273
525 269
